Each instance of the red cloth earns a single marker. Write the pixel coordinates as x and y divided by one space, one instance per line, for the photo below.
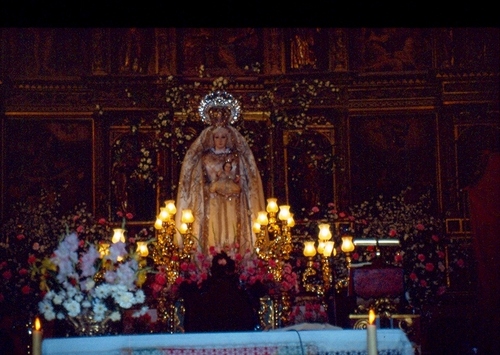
371 282
484 199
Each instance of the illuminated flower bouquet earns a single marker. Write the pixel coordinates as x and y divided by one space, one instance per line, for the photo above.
88 286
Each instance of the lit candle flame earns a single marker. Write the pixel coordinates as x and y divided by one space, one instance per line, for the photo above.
371 316
38 325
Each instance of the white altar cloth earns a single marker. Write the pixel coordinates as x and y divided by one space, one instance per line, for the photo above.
276 342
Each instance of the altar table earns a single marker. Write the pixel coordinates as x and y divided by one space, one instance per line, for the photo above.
274 342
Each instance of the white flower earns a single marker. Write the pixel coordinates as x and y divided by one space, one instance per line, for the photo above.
140 297
73 307
115 316
124 299
99 308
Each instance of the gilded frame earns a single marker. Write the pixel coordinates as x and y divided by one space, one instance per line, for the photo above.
309 169
51 151
390 152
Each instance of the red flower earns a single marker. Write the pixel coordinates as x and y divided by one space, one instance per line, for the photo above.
7 274
342 214
435 238
79 229
429 267
119 214
160 279
440 254
355 256
26 290
392 233
423 283
129 215
413 276
315 209
398 258
461 262
31 259
101 221
420 227
421 257
20 236
23 272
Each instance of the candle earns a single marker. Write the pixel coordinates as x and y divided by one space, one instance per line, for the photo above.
371 334
37 338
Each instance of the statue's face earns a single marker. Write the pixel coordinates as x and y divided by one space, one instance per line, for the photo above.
220 139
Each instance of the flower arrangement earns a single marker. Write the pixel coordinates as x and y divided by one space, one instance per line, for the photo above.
32 234
252 272
308 313
78 279
422 242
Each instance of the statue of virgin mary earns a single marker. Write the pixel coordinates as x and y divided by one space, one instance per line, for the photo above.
219 180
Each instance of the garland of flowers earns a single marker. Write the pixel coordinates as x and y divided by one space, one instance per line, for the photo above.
174 133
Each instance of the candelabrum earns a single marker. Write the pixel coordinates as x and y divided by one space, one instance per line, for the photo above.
168 256
274 239
326 249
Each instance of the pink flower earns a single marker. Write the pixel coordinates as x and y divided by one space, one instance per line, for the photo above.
441 290
79 229
331 205
315 209
435 238
440 254
20 236
36 246
420 227
156 288
101 221
342 214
